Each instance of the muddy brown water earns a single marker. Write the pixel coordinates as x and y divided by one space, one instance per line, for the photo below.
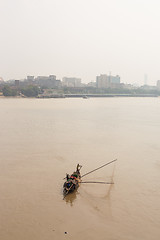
43 139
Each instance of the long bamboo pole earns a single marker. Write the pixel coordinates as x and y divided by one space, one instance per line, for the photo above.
98 182
99 168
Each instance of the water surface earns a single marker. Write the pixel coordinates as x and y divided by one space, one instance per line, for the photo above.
42 139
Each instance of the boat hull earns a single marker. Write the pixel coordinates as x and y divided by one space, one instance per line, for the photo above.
72 182
71 185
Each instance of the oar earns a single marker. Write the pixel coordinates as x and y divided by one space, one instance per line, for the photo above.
99 182
99 168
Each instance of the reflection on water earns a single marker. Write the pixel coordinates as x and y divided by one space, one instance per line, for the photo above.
111 185
71 197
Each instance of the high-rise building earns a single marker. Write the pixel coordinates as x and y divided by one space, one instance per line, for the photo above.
107 81
103 81
71 82
1 80
158 84
115 79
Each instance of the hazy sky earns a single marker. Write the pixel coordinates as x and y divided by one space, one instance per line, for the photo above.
80 38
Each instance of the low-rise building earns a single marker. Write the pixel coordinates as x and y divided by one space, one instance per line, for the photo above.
30 78
48 81
91 84
17 83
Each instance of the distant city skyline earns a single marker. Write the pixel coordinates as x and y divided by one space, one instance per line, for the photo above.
80 39
144 82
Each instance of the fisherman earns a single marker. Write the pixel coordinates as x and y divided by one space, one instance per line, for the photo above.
73 180
67 176
76 174
78 168
75 177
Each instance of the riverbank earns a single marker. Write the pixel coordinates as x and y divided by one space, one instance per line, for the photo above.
85 96
96 95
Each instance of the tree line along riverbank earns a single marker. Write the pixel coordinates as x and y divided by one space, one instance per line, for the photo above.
68 92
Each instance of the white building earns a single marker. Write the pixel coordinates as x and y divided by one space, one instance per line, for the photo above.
115 79
1 80
48 81
71 82
158 84
103 81
107 81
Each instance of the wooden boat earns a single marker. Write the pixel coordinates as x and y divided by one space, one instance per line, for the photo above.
72 181
85 97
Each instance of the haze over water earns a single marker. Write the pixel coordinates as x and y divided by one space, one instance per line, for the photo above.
42 140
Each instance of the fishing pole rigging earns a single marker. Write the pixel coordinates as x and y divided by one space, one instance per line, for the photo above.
96 170
98 182
99 168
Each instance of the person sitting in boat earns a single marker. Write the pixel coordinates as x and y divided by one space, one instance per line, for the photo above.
67 176
78 168
75 176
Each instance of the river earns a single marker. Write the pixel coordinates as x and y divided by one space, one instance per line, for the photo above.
43 139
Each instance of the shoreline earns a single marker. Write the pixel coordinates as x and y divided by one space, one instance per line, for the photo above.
85 96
